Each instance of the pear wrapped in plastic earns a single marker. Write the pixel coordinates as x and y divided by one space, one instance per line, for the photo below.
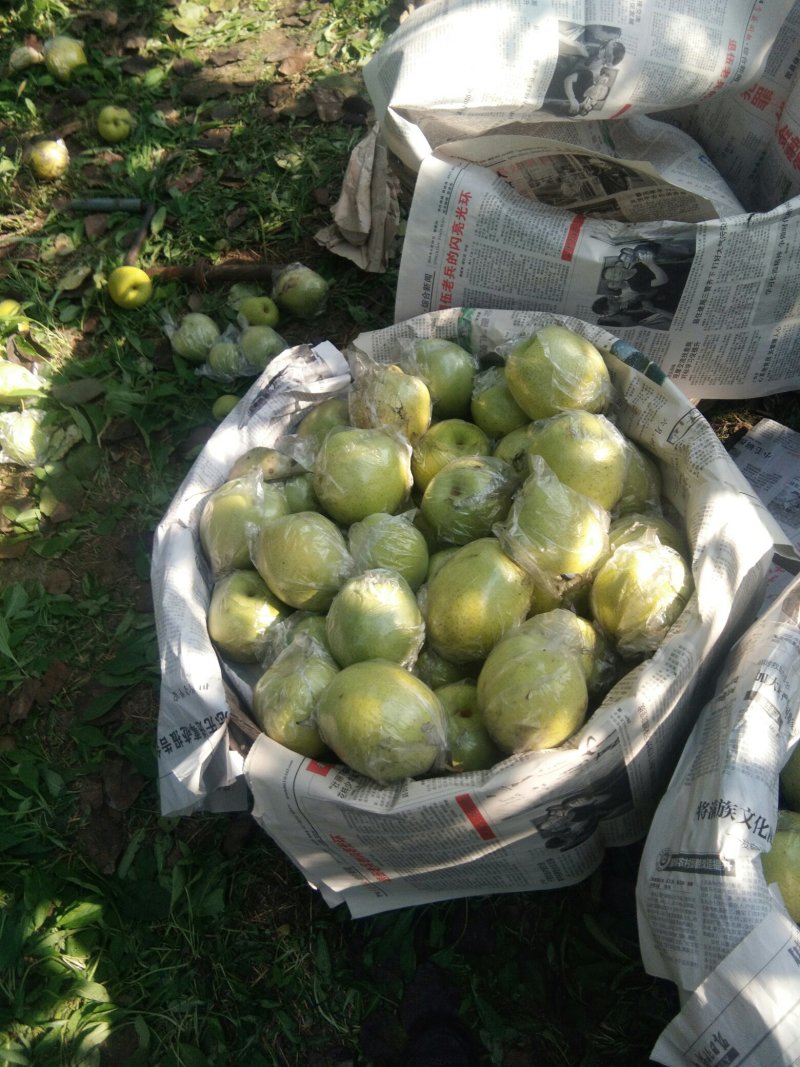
285 696
375 616
358 472
562 630
383 540
383 721
231 515
638 594
554 532
240 614
385 396
585 451
447 369
475 597
303 558
18 383
469 746
443 442
557 370
531 697
467 497
492 406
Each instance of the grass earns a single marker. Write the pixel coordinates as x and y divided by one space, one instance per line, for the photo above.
125 937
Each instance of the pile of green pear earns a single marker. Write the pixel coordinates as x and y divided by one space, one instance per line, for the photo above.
446 565
782 863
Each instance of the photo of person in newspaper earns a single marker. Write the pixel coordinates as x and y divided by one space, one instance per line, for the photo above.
575 817
642 284
588 56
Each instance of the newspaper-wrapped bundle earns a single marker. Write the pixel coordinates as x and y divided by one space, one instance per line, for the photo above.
635 167
533 821
708 921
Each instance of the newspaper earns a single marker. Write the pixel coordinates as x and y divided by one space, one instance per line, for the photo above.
540 820
683 245
436 78
707 919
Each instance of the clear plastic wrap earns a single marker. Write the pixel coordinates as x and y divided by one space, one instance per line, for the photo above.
474 598
492 406
447 369
300 291
469 746
641 487
241 611
383 722
585 451
31 438
285 696
229 515
555 370
531 697
444 441
303 558
632 526
565 631
375 615
193 336
383 540
638 594
18 383
553 531
361 471
467 497
385 396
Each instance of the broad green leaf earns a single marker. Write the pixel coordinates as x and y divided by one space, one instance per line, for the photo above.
79 915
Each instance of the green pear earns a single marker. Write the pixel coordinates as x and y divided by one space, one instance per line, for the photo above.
641 486
299 491
556 370
632 526
638 594
513 448
436 671
384 396
448 370
231 514
563 630
303 558
473 599
782 863
790 780
285 696
382 540
465 499
586 452
443 442
361 471
492 406
382 721
375 616
552 530
326 415
259 345
531 697
269 462
469 745
241 611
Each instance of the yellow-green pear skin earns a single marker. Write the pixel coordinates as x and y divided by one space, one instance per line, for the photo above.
285 696
782 863
586 451
470 748
385 397
359 471
382 721
303 558
638 594
475 597
375 615
531 697
557 370
241 611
